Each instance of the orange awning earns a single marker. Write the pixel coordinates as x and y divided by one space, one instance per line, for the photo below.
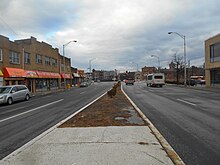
14 72
42 74
31 74
68 76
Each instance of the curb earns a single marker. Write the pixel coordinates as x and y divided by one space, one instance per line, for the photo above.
169 150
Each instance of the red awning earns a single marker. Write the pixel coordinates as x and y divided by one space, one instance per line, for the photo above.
14 72
31 74
42 74
68 76
55 75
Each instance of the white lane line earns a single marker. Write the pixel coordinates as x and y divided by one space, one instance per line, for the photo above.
30 110
186 102
82 92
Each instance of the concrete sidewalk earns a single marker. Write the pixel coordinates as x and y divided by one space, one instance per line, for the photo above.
127 145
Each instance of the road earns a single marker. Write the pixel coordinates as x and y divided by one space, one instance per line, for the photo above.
189 119
23 121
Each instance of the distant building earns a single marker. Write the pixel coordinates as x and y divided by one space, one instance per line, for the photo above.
103 75
137 76
147 70
212 61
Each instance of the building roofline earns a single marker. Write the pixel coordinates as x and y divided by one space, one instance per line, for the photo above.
213 37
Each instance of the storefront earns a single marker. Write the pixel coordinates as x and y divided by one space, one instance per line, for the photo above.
215 77
1 78
47 81
30 79
66 78
75 79
36 81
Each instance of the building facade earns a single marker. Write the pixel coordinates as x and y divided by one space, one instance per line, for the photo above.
212 61
35 64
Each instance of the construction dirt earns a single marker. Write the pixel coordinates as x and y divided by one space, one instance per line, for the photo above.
107 111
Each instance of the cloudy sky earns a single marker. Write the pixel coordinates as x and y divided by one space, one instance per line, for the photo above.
115 34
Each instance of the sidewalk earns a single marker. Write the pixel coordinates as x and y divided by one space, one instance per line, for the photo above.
108 131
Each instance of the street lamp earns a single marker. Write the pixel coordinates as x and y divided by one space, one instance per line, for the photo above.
158 58
64 63
184 52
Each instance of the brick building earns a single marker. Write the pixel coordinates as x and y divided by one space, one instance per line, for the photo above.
212 61
36 64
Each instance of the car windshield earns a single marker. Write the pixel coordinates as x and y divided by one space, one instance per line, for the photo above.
4 90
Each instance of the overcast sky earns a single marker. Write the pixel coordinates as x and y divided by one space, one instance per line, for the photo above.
115 34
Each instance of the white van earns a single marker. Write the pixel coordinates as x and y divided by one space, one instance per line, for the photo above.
156 79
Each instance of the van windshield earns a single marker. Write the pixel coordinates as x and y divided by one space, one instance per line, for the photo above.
4 90
158 77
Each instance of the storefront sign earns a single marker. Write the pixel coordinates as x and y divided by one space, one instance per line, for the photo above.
55 75
47 74
68 76
31 74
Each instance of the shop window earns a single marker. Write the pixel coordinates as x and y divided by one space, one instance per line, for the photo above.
215 77
53 84
27 58
14 57
41 85
1 59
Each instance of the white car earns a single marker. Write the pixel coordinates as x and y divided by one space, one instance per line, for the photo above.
10 94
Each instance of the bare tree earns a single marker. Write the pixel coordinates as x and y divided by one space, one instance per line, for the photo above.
178 65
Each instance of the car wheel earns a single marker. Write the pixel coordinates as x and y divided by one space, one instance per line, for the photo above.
9 101
27 97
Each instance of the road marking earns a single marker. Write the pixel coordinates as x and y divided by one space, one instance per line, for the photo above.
186 102
30 110
82 92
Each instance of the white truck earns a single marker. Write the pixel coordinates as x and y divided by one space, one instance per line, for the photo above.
155 79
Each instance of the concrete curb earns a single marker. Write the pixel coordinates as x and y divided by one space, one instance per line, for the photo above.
169 150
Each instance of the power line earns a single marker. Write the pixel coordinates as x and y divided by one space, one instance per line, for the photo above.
8 26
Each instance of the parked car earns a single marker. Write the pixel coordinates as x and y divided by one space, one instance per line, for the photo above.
191 82
84 84
10 94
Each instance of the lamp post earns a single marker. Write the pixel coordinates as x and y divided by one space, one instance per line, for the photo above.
158 58
64 61
90 65
184 52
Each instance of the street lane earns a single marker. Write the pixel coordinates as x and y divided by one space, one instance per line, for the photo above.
20 129
188 119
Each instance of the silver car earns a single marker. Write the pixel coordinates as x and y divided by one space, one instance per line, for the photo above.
9 94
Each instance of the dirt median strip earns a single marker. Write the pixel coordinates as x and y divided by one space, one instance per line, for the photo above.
107 111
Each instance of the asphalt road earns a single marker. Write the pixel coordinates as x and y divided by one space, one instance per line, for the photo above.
23 121
189 119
